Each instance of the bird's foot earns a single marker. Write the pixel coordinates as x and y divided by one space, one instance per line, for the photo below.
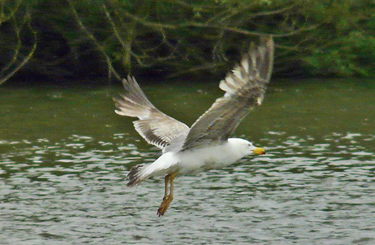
164 205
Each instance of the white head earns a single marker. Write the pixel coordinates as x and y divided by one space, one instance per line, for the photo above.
245 147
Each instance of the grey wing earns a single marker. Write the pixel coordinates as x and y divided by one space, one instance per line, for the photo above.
245 87
153 125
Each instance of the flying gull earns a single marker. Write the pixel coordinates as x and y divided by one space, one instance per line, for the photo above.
207 143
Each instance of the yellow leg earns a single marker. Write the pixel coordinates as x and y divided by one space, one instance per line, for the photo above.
166 180
167 199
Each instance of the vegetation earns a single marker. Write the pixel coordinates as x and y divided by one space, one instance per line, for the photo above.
183 37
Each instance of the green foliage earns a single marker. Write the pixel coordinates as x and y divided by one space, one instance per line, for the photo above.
348 56
344 40
91 37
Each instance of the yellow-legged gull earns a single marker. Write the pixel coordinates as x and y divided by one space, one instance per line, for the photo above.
206 145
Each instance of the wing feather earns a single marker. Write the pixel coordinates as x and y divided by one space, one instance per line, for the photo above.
153 125
245 87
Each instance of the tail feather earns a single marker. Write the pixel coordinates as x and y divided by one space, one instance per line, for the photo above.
134 176
165 164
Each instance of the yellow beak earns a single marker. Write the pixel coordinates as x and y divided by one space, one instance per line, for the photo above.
259 151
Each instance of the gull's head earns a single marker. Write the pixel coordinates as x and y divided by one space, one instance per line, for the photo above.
247 148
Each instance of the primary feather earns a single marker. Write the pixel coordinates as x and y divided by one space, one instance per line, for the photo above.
206 144
153 125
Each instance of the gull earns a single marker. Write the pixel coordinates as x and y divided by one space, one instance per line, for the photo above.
206 144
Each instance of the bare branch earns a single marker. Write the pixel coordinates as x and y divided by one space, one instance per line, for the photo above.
27 58
111 69
3 16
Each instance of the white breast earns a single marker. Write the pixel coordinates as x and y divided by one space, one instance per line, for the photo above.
198 160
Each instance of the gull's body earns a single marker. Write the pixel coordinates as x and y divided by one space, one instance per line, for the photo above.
206 145
195 161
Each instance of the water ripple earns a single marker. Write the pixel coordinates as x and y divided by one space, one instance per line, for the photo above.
306 190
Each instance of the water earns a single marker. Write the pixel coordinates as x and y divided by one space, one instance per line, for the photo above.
65 156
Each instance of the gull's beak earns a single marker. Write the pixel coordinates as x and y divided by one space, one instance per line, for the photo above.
259 151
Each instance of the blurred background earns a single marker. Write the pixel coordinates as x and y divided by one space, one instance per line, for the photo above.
65 154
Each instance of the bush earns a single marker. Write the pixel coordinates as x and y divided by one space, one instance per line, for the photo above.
174 38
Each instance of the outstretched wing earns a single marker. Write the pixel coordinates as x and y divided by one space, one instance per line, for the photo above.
153 125
245 87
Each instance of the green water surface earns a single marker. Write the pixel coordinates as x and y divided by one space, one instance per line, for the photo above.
65 155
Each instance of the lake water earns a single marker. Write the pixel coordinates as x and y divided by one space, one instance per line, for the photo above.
65 155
